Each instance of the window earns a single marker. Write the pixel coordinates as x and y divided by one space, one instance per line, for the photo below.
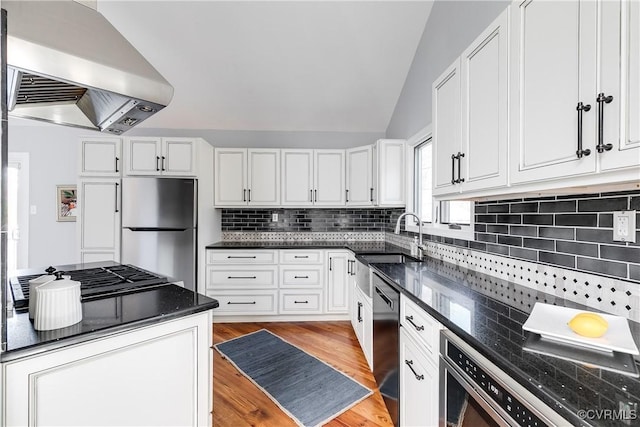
450 218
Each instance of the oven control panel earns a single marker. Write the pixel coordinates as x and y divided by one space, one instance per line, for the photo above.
481 380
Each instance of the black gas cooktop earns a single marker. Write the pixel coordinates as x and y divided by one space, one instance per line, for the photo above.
94 282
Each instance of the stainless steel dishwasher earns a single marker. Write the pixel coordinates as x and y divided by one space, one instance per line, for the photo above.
386 343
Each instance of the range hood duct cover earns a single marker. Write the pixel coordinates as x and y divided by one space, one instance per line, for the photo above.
68 65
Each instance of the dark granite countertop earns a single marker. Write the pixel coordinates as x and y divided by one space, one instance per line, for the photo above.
498 309
356 246
105 316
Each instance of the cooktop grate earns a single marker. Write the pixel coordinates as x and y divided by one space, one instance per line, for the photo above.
94 282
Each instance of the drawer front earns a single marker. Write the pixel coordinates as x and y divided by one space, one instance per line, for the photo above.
301 276
300 302
301 257
241 257
420 326
242 303
242 278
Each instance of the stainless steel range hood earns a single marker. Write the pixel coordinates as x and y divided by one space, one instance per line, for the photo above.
68 65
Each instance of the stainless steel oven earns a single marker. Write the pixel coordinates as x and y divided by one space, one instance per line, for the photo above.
475 393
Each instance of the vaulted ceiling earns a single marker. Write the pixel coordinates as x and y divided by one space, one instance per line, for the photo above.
275 65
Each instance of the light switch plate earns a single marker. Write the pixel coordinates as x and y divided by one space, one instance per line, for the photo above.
274 217
624 226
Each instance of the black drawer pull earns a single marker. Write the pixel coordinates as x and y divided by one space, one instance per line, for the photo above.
240 303
300 277
410 319
409 363
241 277
301 256
301 302
238 256
359 312
117 159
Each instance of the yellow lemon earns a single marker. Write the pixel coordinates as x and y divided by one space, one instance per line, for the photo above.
590 325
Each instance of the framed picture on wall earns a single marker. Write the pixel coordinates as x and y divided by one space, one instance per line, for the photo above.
66 196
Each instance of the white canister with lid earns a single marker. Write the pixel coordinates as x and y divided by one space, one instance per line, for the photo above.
33 295
57 305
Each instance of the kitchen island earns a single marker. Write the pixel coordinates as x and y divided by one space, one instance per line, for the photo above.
139 358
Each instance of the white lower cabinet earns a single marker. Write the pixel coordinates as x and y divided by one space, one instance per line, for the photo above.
117 380
250 283
362 322
418 385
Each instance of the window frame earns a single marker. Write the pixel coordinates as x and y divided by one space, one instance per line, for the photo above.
466 232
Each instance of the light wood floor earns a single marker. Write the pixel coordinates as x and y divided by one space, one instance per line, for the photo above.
238 403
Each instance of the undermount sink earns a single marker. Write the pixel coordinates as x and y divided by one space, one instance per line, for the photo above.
387 258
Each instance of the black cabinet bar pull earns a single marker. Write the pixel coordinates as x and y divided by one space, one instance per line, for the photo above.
241 277
249 191
300 277
311 196
244 195
453 168
371 192
410 320
163 163
347 195
330 263
409 363
602 99
580 152
157 163
117 160
301 302
240 303
315 193
117 197
349 266
359 312
459 157
239 256
301 256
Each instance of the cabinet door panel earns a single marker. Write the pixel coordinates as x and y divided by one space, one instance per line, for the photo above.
297 177
230 177
554 48
329 178
337 291
620 78
446 128
100 157
264 177
418 377
100 216
359 176
485 109
390 173
179 156
143 156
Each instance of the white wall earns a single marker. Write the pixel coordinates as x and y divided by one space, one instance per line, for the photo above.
52 161
451 27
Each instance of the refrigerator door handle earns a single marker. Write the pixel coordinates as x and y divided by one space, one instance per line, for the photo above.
155 229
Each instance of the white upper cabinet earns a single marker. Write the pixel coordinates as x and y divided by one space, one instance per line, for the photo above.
329 177
470 113
389 172
313 177
100 157
359 190
620 78
160 156
446 129
247 177
553 79
297 177
484 119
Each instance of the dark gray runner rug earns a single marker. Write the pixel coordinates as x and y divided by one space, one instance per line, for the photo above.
306 388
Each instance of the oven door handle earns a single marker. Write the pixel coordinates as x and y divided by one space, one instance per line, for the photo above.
495 413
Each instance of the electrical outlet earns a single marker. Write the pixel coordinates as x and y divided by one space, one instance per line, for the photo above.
624 226
274 217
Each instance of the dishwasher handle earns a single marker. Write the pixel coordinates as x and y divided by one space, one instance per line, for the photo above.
385 298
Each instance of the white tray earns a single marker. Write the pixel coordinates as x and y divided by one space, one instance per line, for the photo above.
550 321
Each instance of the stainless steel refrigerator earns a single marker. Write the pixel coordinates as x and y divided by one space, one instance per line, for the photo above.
159 223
